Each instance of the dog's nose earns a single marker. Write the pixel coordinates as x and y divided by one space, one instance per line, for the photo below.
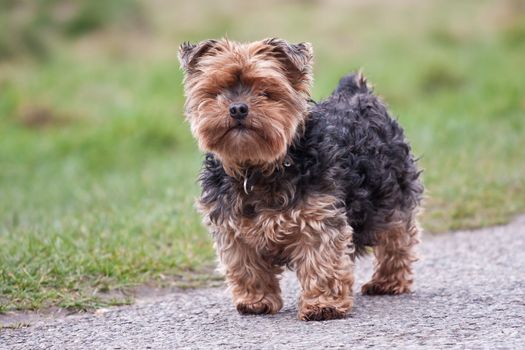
238 111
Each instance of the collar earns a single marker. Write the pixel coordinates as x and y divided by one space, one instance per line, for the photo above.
251 177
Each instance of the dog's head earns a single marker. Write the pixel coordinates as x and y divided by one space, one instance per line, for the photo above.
246 102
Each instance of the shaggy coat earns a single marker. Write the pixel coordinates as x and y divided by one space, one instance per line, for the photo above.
351 149
298 184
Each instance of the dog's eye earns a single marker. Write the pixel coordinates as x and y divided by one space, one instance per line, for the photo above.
264 94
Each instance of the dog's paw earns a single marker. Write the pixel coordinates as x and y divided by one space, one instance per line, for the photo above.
257 308
317 313
385 288
264 306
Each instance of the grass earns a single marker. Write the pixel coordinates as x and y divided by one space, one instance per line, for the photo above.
98 169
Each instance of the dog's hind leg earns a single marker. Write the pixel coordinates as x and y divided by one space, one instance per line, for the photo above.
394 257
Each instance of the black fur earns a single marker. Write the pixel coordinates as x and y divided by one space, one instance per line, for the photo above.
351 148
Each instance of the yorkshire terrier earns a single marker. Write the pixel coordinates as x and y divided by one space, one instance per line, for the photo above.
290 182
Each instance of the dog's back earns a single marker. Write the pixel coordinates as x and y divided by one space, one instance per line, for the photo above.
366 154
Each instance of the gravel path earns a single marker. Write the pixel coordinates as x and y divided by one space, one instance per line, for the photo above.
469 293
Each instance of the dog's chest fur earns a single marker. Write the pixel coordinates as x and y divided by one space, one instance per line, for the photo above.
269 213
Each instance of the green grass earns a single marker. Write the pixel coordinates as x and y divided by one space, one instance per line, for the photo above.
98 169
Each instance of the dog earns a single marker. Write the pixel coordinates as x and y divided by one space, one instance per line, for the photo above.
288 182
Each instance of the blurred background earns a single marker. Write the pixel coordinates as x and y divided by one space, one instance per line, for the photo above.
98 168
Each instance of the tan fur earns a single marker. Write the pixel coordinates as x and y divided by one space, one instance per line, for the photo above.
276 93
394 257
313 238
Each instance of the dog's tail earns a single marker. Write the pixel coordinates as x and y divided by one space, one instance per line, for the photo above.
352 84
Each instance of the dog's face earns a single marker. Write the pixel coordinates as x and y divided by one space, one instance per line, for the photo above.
245 102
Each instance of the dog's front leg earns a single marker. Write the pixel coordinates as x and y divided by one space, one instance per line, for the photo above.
252 280
325 271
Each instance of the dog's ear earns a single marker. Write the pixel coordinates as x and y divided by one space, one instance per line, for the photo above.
189 54
297 60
